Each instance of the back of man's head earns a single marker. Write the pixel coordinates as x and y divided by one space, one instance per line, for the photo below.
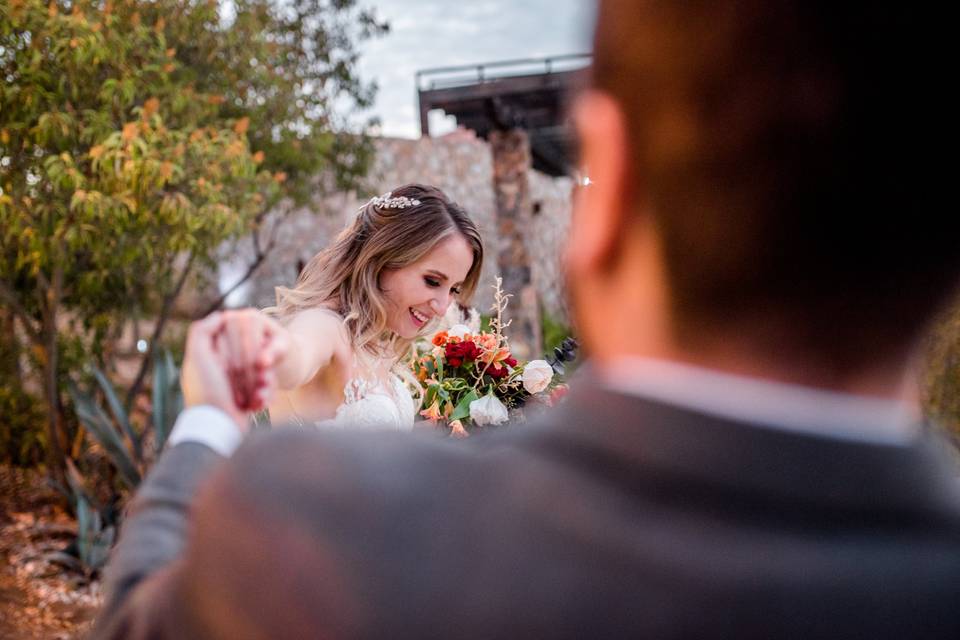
783 149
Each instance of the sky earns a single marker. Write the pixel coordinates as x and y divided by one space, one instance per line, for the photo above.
438 33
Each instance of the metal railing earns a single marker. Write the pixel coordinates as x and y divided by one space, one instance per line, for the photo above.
463 75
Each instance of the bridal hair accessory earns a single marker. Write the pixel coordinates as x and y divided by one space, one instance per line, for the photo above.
387 201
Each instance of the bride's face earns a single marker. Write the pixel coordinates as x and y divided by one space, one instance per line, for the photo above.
423 290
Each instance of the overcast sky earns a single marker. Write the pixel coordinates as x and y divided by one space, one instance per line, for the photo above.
438 33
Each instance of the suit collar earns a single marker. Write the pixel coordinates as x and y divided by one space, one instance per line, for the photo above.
762 402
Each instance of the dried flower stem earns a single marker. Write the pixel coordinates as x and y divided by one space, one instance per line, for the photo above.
500 302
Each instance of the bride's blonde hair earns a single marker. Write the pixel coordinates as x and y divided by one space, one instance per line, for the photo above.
345 277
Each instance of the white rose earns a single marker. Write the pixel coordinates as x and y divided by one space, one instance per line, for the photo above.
458 331
537 375
488 410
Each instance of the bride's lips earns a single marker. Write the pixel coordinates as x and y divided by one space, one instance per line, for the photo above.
418 318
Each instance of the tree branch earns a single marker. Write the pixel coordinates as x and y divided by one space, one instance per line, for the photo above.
10 298
49 304
260 254
165 309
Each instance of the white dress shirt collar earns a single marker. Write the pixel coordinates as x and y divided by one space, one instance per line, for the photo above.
765 403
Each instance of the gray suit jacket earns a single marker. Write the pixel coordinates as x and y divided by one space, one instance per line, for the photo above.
614 516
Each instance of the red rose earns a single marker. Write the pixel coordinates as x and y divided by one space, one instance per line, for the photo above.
496 372
459 352
510 362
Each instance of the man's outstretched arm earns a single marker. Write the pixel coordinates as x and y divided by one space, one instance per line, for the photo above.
155 527
206 433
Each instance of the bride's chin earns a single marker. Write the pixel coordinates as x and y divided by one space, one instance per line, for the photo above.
407 333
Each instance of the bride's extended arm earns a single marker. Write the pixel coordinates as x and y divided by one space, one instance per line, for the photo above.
313 337
309 340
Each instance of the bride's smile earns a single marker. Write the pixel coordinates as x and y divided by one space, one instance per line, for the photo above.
424 289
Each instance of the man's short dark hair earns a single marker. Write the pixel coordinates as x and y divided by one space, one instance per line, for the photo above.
784 149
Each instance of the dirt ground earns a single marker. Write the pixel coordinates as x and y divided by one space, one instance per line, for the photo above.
39 600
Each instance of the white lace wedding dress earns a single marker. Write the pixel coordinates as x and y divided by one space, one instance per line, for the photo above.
382 405
375 398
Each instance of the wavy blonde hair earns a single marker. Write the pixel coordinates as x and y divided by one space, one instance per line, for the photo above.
345 277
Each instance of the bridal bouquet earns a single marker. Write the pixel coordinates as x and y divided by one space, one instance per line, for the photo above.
471 379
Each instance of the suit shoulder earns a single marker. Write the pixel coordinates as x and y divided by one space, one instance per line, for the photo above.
385 468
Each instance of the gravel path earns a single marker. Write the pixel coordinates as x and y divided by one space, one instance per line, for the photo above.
38 599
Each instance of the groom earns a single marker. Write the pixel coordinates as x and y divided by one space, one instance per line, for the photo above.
750 270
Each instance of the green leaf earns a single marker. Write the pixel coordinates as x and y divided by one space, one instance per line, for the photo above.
100 428
88 526
430 395
462 410
116 408
78 485
167 398
93 539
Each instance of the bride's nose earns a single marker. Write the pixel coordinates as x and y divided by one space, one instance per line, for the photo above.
439 305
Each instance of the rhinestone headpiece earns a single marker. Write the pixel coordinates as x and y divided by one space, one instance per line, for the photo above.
388 201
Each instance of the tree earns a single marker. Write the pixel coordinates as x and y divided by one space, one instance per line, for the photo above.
137 136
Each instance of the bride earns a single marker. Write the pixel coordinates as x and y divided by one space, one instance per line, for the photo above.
349 322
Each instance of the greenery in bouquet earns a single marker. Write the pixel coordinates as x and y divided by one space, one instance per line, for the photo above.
471 379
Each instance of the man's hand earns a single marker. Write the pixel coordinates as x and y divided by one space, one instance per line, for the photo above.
212 360
253 345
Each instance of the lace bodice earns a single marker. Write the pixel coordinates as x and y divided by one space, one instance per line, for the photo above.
383 405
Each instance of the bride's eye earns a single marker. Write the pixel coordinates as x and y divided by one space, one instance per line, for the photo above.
431 282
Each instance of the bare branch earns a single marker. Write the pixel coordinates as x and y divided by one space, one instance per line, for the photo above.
260 254
165 310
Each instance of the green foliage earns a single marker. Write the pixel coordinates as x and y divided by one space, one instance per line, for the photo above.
940 374
554 332
167 397
485 319
137 136
462 410
21 434
21 430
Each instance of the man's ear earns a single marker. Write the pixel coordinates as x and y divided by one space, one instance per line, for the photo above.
599 207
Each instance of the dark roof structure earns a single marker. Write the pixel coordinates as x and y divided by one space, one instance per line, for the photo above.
531 94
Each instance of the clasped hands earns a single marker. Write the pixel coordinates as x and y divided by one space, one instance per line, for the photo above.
230 362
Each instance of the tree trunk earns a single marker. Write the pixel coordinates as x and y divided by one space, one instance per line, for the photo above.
57 445
56 463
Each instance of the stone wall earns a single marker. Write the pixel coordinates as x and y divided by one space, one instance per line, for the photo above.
462 166
550 201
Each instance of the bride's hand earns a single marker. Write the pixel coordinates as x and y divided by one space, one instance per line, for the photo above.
254 345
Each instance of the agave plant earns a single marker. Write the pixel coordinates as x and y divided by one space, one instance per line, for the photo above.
113 430
87 553
123 445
